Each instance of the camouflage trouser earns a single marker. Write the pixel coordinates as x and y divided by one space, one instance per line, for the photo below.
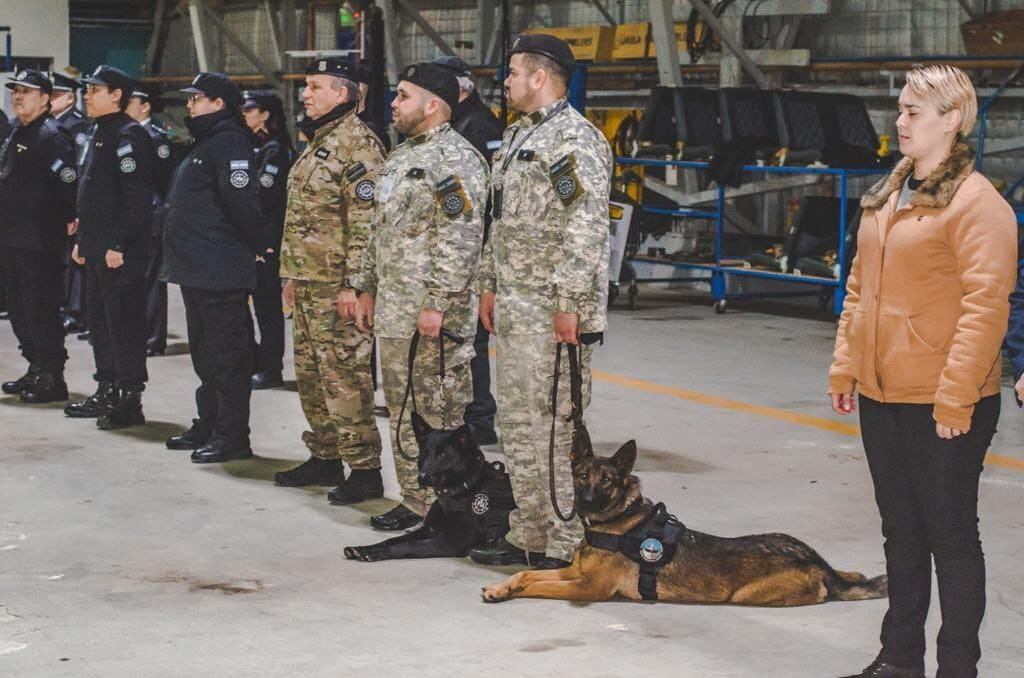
526 372
442 405
332 372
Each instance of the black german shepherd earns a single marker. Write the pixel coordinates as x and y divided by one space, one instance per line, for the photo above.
774 570
474 498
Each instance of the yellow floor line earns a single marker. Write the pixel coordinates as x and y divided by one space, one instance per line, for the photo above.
811 421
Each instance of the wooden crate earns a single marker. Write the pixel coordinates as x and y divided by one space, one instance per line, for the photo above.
995 34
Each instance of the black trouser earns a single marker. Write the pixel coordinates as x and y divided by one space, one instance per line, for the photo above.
220 342
34 289
156 301
481 411
266 301
117 323
927 494
75 299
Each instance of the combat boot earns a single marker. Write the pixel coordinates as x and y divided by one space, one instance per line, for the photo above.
362 484
20 384
46 387
313 471
96 405
127 412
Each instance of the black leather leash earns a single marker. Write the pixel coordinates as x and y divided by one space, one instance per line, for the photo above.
580 436
410 391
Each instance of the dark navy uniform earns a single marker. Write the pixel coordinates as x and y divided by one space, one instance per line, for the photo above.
156 288
213 233
38 180
273 163
115 211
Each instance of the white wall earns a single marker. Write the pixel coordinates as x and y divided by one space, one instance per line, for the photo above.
39 28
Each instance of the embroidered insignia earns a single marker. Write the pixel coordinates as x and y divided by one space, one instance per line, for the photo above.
481 504
163 150
239 178
68 175
128 165
267 180
365 190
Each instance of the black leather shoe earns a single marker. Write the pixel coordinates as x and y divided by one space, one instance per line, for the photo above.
154 352
217 451
483 435
265 380
127 412
361 484
398 518
46 387
192 439
550 563
500 552
96 405
21 383
880 669
382 411
313 471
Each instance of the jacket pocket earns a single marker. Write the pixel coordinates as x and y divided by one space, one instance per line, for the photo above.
907 364
854 336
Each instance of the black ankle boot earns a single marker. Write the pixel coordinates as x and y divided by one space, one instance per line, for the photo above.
21 383
881 669
195 437
46 387
96 405
362 484
313 471
127 412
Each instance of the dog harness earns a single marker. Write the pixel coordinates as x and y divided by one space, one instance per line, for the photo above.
652 544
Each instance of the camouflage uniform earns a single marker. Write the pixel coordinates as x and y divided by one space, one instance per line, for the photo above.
548 251
424 252
330 205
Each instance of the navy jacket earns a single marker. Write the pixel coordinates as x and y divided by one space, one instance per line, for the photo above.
38 180
1014 342
163 163
214 227
273 162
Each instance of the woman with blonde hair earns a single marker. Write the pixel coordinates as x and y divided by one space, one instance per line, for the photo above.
919 339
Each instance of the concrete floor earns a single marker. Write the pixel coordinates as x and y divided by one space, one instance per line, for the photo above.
120 558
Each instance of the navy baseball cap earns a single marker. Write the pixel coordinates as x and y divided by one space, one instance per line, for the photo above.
216 86
32 79
64 83
109 76
258 99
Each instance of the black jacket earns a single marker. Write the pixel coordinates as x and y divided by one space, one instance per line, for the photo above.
76 124
475 121
214 226
5 127
38 180
379 130
163 163
115 193
273 162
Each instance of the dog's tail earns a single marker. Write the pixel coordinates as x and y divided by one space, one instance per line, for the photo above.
855 586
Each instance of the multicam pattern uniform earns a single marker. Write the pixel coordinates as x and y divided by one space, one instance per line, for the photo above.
424 252
548 251
331 192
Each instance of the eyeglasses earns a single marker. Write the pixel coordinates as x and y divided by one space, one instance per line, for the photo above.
193 98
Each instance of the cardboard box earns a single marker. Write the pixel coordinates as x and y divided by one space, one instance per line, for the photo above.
588 43
632 41
995 34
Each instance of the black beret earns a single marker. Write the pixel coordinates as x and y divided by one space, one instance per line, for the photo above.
435 79
63 82
216 86
30 78
556 49
338 66
453 64
111 77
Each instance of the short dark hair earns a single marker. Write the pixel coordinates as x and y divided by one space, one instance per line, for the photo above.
555 70
126 97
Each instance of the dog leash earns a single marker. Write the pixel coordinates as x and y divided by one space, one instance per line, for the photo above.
580 436
410 391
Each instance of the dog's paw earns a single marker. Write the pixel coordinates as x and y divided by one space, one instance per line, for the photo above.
496 593
366 554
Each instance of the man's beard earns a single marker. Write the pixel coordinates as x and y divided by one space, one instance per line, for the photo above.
403 126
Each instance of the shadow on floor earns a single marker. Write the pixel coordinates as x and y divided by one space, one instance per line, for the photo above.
649 459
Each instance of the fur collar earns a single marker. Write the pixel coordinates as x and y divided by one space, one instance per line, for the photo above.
632 496
936 191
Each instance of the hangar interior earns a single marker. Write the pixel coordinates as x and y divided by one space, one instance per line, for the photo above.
120 558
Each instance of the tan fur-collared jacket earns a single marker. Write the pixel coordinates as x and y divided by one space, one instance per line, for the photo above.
928 293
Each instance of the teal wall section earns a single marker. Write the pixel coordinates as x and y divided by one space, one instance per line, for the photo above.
124 48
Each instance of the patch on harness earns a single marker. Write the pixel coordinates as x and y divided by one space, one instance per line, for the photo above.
481 504
652 550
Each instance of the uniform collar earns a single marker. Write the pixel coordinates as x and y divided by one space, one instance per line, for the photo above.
541 113
145 123
424 137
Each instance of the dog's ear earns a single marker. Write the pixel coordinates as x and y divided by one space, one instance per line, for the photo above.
463 439
420 427
625 458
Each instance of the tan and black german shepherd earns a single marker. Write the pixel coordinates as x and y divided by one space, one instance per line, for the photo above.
768 569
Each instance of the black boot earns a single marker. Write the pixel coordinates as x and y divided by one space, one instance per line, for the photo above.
881 669
398 518
362 484
501 552
21 383
47 387
217 451
127 412
192 439
96 405
313 471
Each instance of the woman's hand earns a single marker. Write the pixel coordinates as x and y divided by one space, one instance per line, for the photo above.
947 433
288 293
843 403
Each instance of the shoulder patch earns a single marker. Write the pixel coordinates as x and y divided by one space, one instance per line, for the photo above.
452 197
355 171
267 180
322 153
365 190
239 178
564 179
493 144
68 175
271 169
239 164
163 151
124 150
128 165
